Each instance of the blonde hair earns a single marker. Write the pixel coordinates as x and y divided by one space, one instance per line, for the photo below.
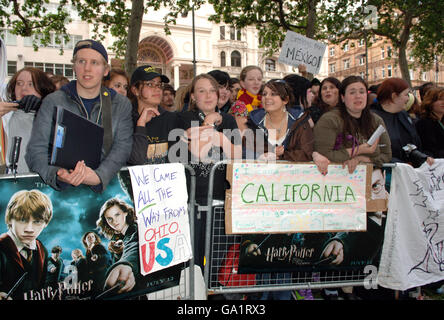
25 204
245 70
78 253
182 93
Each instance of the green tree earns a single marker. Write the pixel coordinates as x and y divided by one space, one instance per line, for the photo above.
30 17
272 18
409 24
412 26
316 19
114 18
123 20
119 18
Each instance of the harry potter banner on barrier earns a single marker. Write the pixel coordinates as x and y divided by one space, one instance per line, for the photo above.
84 245
311 251
317 251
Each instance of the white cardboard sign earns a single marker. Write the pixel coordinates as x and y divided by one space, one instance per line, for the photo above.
298 49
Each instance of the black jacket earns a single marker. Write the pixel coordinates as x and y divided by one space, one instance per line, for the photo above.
150 143
401 130
203 169
13 266
431 133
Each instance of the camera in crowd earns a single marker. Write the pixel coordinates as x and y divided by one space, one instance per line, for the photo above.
29 103
416 157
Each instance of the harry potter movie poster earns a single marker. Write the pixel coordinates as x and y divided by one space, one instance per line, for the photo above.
60 245
319 251
311 251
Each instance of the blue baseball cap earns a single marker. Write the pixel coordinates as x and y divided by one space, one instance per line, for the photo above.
91 44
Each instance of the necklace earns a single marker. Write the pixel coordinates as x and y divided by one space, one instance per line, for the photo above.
282 123
86 112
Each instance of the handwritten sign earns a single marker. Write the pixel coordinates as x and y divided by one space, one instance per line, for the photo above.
289 197
298 49
160 200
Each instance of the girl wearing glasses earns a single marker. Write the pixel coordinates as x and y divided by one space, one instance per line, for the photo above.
152 123
118 80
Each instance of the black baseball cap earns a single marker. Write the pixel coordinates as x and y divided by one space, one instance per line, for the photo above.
147 73
91 44
222 77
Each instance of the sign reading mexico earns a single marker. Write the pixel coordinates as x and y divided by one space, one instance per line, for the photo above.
290 198
298 49
160 200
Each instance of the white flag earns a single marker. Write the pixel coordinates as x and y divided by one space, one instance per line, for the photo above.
412 253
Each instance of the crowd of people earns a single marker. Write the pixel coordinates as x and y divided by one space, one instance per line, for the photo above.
215 117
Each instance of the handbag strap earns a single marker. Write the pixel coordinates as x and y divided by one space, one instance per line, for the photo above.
106 120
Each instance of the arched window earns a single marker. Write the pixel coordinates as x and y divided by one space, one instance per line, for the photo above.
270 65
149 55
223 61
235 59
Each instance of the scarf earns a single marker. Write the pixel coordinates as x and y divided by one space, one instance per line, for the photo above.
250 100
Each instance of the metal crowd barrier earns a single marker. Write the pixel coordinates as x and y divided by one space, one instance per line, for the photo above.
218 242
